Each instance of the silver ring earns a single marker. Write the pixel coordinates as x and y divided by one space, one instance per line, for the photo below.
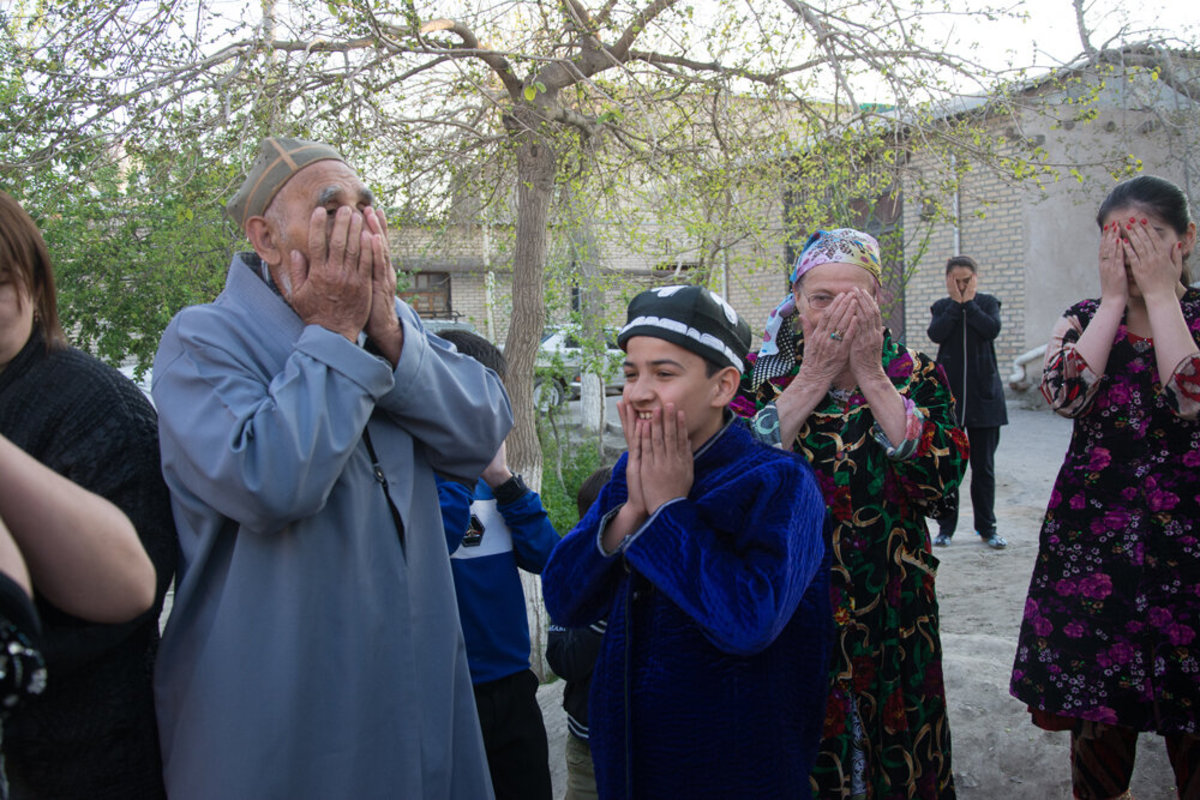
836 336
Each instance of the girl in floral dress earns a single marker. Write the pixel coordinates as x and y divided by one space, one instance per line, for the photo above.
1108 644
876 421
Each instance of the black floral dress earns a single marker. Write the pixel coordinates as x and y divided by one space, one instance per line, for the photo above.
1110 624
886 732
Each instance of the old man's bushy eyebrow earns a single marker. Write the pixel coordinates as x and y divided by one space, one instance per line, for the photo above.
331 194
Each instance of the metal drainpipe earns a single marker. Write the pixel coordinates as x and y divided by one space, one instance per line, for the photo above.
1017 379
958 252
725 277
957 211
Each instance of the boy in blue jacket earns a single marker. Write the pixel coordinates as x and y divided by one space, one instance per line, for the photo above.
706 555
492 529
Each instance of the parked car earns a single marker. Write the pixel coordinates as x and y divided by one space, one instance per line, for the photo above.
561 361
439 325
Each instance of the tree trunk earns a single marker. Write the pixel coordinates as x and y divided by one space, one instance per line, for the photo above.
591 404
536 164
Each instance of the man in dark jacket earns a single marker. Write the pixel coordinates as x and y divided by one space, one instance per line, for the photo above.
965 326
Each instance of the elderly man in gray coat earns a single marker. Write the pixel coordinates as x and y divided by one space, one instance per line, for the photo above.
314 649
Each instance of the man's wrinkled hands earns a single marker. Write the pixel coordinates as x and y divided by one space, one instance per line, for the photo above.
383 326
333 289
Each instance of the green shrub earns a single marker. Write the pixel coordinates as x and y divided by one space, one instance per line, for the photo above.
565 466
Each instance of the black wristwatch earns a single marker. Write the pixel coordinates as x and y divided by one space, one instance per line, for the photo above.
511 490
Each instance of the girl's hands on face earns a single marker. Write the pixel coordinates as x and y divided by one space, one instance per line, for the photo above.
1114 286
1155 261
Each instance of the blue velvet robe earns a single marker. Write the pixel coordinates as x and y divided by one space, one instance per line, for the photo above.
712 676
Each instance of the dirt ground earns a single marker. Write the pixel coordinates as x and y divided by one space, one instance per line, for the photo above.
998 753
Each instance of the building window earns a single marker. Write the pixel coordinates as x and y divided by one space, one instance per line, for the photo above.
429 294
680 268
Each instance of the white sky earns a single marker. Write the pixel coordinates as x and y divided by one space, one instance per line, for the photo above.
1050 35
1046 39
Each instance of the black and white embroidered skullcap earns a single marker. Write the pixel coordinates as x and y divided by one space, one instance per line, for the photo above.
692 317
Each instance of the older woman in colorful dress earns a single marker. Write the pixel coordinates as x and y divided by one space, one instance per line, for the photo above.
1108 642
875 420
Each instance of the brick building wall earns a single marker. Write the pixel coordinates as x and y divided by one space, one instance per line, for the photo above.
1035 243
990 230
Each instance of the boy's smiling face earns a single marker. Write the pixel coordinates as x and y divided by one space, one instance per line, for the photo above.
658 372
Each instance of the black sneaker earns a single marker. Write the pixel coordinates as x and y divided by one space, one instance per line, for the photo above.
995 541
942 540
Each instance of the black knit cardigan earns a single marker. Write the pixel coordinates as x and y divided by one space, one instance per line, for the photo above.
92 734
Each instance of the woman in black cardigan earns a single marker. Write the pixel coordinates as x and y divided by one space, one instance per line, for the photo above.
965 326
92 733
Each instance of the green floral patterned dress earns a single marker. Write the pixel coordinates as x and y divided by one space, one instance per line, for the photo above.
886 732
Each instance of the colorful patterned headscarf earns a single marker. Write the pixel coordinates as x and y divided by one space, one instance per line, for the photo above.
838 246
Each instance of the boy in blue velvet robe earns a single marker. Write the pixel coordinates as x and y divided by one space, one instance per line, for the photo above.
705 552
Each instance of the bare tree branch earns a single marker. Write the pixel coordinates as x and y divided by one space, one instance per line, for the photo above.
497 62
1085 36
605 13
578 15
825 41
637 26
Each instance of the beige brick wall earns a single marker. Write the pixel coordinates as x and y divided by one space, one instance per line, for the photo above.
990 230
1035 243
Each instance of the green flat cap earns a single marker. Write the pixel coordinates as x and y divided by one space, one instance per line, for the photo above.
278 159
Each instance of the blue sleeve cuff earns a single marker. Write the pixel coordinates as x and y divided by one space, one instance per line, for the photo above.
631 538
